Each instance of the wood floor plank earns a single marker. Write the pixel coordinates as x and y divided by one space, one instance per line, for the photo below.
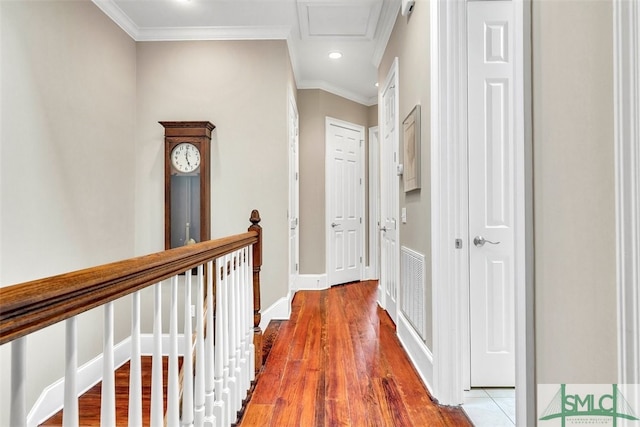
288 410
353 360
260 415
337 413
308 398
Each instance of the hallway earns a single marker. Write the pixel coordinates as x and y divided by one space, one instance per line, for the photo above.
337 361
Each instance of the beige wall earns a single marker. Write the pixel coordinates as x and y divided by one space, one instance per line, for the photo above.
314 105
68 162
409 42
574 192
372 115
88 126
241 87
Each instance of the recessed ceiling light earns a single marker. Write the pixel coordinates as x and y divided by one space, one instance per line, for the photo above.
335 55
377 84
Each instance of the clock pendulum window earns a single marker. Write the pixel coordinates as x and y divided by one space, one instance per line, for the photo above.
187 182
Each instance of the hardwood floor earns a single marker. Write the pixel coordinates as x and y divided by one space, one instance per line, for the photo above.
338 362
89 402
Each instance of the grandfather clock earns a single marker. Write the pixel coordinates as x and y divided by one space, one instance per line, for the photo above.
187 191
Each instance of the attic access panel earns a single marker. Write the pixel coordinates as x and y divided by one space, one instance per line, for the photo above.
347 19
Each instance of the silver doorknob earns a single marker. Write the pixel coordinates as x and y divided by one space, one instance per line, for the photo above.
479 241
383 228
334 225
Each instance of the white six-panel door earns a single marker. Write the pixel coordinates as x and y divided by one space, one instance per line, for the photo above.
345 145
491 192
389 251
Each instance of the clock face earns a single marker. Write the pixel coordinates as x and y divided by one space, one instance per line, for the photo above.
185 157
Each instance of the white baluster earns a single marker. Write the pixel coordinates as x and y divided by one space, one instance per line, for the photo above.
173 386
246 317
135 371
187 361
242 320
220 408
208 346
156 363
238 336
252 348
200 373
70 413
18 410
108 393
233 380
248 321
229 381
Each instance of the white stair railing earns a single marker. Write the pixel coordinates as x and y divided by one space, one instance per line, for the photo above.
217 336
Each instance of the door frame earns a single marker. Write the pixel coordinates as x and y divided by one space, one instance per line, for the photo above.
328 170
476 279
372 271
450 209
294 190
626 41
392 80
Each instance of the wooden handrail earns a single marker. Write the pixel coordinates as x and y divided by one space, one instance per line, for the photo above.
34 305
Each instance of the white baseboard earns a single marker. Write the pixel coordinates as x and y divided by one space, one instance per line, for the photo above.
146 344
417 350
312 282
370 273
51 400
280 310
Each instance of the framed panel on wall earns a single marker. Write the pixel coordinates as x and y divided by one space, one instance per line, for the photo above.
411 143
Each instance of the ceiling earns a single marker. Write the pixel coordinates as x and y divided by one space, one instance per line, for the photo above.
359 29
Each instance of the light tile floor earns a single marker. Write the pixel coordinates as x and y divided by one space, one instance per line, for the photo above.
491 407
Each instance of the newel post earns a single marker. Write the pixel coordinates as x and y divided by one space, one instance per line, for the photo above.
257 265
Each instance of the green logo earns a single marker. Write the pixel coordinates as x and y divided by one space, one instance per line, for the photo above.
588 405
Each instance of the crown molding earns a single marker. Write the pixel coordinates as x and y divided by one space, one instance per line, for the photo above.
327 87
118 16
213 33
111 9
387 21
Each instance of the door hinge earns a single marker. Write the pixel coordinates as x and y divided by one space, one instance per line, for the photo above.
458 243
360 220
296 176
360 260
296 266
